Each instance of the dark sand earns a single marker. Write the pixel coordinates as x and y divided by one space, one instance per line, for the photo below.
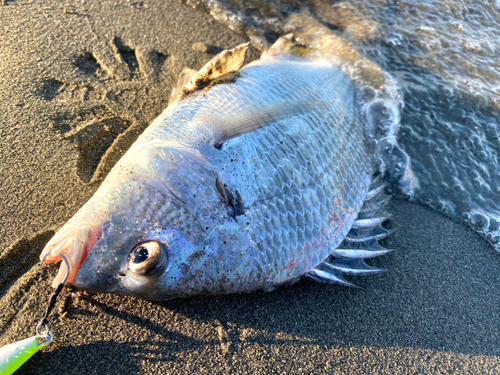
78 83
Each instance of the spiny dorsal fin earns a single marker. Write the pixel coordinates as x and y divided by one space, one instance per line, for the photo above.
279 46
182 81
228 61
285 45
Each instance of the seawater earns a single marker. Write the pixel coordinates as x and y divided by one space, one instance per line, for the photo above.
445 59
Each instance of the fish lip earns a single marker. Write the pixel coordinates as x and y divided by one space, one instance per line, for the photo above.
75 243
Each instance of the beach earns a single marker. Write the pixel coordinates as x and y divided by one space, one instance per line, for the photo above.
78 83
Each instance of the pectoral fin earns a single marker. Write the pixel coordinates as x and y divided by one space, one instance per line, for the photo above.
248 119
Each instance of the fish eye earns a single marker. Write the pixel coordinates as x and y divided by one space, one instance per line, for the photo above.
147 259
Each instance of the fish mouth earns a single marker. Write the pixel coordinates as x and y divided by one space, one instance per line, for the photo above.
75 244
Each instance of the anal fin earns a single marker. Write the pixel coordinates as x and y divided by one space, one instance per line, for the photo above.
368 223
359 253
329 277
363 235
351 266
375 200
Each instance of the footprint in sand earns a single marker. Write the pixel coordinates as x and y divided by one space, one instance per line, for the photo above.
104 115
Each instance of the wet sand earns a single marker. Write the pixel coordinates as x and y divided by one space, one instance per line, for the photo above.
78 83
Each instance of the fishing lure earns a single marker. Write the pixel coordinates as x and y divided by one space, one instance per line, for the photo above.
13 356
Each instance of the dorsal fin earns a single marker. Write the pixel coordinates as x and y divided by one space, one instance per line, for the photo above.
182 81
285 45
228 61
279 46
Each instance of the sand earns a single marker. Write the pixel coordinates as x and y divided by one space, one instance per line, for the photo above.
78 83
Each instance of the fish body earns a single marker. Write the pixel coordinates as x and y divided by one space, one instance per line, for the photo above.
248 184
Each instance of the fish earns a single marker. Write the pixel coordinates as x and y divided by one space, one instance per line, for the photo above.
254 176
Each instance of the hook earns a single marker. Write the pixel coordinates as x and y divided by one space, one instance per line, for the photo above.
66 262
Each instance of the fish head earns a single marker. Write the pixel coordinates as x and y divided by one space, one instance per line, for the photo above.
135 258
160 233
122 254
147 260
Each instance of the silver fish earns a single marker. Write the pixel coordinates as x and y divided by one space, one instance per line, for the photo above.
251 178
